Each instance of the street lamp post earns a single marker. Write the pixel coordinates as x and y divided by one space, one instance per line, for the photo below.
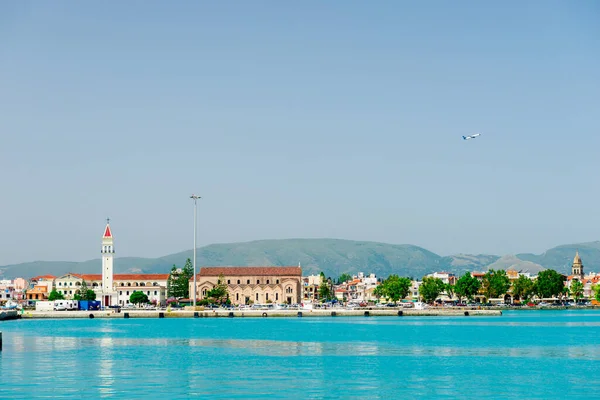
195 225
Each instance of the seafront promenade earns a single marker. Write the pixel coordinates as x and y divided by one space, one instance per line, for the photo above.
260 313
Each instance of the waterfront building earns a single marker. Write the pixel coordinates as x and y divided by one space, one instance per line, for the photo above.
310 287
110 288
153 285
39 287
247 285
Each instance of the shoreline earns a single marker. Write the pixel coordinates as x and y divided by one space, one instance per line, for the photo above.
256 314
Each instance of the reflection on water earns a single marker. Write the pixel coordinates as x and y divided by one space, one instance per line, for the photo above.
280 348
301 358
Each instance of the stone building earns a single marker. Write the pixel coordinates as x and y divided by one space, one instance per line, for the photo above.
258 285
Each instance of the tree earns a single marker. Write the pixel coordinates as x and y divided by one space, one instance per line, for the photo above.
523 288
219 292
467 286
549 283
138 298
495 283
431 288
55 295
178 282
394 287
183 282
324 292
84 293
170 279
596 289
344 278
577 289
449 289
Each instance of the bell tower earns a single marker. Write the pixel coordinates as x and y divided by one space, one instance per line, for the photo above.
577 268
108 251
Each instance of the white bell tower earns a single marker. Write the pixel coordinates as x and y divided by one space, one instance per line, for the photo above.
108 251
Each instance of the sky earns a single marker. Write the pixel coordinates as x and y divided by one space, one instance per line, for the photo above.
339 119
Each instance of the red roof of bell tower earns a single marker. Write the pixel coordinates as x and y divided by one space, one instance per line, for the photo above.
107 232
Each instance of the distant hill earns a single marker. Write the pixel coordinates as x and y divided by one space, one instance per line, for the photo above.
515 263
560 258
332 256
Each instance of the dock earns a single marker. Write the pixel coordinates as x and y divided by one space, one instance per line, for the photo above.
222 313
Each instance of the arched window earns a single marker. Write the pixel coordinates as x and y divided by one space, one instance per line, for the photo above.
228 281
238 281
155 284
258 282
248 282
277 281
276 296
268 281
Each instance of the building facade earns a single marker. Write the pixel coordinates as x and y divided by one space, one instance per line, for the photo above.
252 285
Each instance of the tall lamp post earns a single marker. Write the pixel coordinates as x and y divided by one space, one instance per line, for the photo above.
195 225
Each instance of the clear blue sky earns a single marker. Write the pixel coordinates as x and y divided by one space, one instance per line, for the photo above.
339 119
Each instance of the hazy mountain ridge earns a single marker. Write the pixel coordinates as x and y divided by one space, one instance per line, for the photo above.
333 256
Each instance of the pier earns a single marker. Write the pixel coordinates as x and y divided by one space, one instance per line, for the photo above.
222 313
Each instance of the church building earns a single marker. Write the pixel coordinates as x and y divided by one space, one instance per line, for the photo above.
577 267
110 288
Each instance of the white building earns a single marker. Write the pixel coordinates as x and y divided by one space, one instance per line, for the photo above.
113 289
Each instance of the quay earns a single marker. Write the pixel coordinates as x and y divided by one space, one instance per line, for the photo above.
222 313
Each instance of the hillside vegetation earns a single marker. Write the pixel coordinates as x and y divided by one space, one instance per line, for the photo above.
331 256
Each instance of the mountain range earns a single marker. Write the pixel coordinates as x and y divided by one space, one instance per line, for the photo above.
332 256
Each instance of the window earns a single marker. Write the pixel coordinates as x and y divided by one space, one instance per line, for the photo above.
59 283
268 281
248 282
148 293
277 281
228 281
121 293
237 296
256 296
257 282
238 281
128 293
155 292
267 296
276 296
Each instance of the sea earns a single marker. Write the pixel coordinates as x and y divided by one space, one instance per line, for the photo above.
522 354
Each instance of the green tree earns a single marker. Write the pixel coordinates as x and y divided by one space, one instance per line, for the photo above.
170 279
90 295
549 283
138 297
467 286
431 288
55 295
344 278
523 288
596 289
495 283
84 292
394 287
449 289
577 289
219 293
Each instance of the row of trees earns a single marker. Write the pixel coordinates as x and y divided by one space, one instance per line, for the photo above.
495 284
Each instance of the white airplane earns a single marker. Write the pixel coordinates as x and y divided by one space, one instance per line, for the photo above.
471 137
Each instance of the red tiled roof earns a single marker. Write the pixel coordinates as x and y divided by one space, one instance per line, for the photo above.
250 271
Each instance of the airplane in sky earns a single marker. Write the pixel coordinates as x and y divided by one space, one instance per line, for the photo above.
471 137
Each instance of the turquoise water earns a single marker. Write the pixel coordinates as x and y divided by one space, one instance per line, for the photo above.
527 354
